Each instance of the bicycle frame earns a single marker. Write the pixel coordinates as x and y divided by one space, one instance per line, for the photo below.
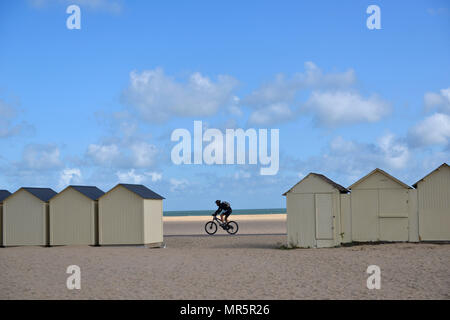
215 219
230 227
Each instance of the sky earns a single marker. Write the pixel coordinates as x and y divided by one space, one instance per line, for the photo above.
98 105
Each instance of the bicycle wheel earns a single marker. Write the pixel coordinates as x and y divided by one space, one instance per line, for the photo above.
211 227
233 227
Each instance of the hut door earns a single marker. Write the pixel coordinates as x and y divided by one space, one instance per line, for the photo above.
324 217
393 214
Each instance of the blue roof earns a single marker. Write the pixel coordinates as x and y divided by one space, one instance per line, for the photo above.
4 194
142 191
91 192
43 194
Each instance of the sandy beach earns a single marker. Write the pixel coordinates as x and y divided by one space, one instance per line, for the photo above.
245 266
248 224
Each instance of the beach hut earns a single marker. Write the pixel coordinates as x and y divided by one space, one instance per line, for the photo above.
130 214
433 194
74 216
3 195
25 217
382 209
317 209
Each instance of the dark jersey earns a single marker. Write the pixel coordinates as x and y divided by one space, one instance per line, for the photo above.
225 206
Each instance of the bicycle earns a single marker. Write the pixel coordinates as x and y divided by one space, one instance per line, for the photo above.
211 226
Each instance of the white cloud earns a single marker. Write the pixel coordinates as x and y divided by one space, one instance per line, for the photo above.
284 90
395 152
158 97
352 159
143 154
341 145
154 175
69 176
272 114
234 108
433 130
130 177
41 157
103 154
39 165
345 107
438 101
241 174
8 115
123 153
178 184
315 78
332 101
277 91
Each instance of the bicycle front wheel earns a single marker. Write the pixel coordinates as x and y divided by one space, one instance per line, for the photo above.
211 227
232 227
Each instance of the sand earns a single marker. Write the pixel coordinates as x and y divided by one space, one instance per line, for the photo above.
248 224
226 267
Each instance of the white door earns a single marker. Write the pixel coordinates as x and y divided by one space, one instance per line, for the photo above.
393 214
365 221
324 217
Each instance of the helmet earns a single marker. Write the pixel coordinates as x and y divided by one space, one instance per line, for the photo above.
217 202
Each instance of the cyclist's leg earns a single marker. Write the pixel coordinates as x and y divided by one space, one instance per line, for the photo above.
227 214
221 217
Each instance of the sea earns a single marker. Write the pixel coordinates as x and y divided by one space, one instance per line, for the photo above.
235 212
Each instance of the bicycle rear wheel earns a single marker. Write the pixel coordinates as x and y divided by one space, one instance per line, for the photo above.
211 227
233 227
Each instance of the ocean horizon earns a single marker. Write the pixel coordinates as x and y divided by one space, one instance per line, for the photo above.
178 213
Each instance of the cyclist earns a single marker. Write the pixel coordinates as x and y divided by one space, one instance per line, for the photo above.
225 208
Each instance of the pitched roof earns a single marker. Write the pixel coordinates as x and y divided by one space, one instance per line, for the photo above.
91 192
4 194
383 173
324 178
43 194
140 190
437 169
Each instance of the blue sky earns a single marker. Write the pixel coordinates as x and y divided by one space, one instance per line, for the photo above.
97 106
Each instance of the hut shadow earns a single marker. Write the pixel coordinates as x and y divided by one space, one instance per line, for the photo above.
249 242
249 246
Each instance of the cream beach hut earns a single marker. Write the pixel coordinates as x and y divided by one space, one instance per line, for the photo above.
383 209
3 195
315 217
130 214
433 193
26 217
74 216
